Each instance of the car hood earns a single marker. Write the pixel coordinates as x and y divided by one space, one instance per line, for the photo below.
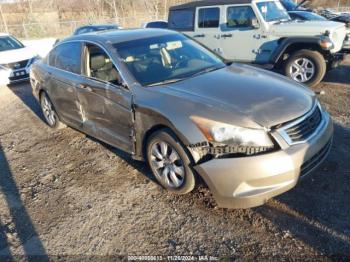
263 97
16 55
305 28
312 28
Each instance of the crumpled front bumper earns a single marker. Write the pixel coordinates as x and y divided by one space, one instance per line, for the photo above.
252 181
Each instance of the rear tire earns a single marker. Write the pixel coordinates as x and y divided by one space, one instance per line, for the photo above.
170 163
306 67
49 112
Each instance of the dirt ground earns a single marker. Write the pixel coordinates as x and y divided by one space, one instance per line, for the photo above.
63 194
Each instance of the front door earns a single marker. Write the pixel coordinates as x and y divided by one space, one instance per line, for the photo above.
207 27
243 42
106 104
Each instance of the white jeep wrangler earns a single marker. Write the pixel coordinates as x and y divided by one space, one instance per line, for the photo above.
261 32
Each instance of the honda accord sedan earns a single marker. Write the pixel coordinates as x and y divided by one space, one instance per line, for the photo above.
165 99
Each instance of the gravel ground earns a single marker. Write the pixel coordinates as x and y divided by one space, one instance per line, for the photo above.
65 194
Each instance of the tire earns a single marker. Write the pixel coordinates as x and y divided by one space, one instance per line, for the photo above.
49 112
306 67
163 159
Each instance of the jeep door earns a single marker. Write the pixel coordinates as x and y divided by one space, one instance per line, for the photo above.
64 73
106 102
207 27
241 41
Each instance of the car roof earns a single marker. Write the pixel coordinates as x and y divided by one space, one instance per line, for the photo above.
119 36
4 34
209 3
97 25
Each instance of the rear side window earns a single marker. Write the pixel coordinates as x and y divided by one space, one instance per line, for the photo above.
67 57
209 17
239 16
181 20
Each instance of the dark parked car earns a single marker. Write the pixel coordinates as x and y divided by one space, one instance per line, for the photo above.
306 16
291 5
160 24
94 28
160 96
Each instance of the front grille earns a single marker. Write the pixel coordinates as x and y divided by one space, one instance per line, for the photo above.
306 128
17 65
19 78
316 160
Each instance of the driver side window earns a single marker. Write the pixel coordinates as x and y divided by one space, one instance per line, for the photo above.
240 16
100 66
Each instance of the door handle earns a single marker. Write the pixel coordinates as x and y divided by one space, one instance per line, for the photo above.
227 35
85 87
197 36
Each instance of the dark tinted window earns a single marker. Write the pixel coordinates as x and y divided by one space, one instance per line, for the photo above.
67 57
9 43
158 24
83 30
208 18
181 19
239 16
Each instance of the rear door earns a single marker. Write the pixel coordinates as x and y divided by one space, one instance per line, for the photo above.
63 76
207 27
106 102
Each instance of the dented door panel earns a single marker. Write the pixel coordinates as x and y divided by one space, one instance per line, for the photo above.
107 114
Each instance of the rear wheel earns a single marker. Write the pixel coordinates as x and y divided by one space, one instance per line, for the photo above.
170 163
49 112
306 67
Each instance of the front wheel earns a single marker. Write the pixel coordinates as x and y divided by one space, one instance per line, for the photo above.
170 163
306 67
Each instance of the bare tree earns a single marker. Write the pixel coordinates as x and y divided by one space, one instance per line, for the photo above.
3 19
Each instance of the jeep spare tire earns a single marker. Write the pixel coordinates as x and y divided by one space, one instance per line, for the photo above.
306 66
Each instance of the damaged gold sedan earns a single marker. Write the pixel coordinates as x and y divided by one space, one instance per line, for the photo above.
163 98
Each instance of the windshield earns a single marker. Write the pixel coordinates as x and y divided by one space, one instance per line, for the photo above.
273 11
167 58
9 43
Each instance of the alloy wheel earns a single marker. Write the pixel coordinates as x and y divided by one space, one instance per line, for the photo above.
49 112
302 70
167 165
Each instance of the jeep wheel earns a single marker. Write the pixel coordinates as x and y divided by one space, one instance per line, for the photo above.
306 67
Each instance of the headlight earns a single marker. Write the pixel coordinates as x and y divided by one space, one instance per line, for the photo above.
326 43
232 135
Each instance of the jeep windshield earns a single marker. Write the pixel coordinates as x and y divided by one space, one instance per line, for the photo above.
273 11
167 59
9 43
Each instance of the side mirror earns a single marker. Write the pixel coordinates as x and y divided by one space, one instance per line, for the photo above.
254 23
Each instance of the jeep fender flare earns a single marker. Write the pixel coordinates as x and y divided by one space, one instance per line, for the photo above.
285 43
